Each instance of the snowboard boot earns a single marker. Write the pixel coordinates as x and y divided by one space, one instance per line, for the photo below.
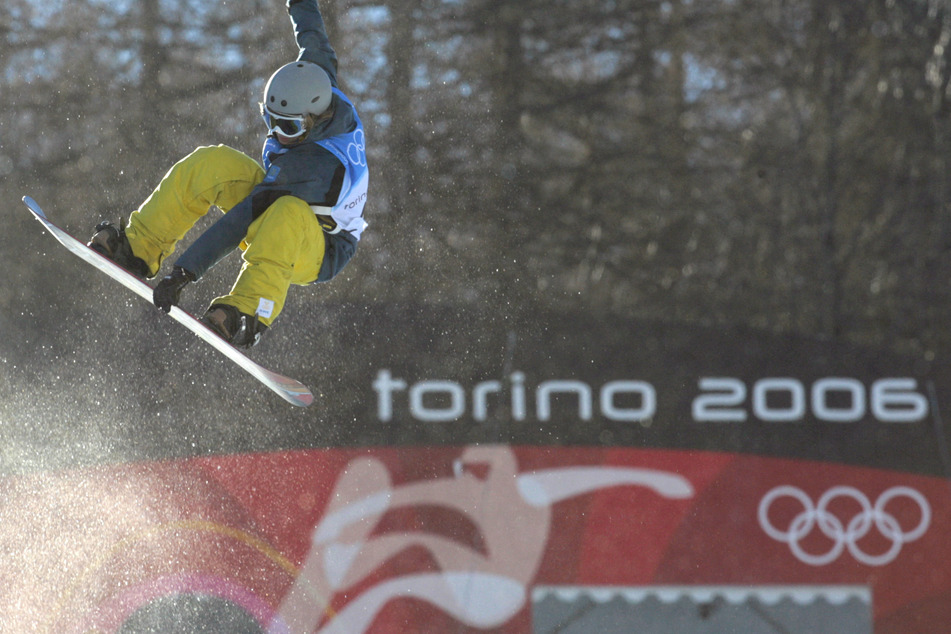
110 241
235 327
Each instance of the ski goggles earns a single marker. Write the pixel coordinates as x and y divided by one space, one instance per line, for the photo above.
290 127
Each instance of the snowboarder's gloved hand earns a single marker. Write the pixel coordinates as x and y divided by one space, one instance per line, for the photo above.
169 289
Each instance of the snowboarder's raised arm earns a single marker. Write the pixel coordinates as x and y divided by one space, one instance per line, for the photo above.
311 35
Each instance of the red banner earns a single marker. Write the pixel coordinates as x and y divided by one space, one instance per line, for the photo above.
507 539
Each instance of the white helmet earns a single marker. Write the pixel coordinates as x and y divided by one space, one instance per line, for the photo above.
298 89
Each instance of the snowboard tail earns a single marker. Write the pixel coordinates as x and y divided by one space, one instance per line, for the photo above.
287 388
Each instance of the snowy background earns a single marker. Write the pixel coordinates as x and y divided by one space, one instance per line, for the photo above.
708 237
778 168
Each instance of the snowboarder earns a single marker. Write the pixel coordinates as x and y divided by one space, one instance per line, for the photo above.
298 219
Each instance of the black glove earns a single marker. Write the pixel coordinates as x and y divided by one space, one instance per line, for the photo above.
169 289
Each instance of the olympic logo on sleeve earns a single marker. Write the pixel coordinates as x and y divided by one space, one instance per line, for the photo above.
844 533
356 151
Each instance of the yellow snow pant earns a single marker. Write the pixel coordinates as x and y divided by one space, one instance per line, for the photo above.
283 246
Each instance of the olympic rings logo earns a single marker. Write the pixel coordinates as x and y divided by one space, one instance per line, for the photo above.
356 151
844 535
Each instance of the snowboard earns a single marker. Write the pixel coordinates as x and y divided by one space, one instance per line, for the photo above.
290 390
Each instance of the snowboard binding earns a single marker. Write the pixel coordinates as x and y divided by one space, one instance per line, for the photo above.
110 241
235 327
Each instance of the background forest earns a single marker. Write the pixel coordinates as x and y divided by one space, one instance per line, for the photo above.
779 164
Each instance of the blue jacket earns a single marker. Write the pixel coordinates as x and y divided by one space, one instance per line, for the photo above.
311 170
